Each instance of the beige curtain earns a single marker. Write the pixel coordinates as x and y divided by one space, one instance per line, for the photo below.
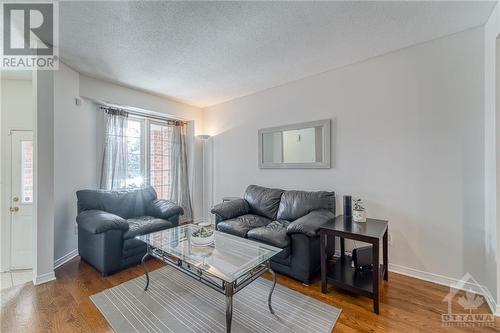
114 161
179 191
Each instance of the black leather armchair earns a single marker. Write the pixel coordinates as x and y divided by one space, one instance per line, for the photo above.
109 221
286 219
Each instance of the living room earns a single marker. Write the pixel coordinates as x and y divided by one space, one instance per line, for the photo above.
164 124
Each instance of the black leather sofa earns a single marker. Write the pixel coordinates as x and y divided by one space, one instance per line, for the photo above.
286 219
109 221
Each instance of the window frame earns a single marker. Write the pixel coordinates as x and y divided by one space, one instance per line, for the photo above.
23 173
150 122
145 145
142 140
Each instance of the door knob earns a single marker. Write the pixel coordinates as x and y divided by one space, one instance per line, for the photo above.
15 199
14 209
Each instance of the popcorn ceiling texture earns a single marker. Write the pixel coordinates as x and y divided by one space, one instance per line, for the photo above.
207 53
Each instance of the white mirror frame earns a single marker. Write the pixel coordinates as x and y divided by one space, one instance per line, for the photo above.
326 139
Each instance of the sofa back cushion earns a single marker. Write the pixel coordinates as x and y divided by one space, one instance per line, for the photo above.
126 204
263 201
295 204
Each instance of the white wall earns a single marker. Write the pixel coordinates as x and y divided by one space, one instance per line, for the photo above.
43 153
492 158
74 156
16 114
78 133
108 92
408 138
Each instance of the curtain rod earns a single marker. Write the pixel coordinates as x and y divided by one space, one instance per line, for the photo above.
146 115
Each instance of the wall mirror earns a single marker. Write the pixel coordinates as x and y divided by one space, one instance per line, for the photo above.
296 146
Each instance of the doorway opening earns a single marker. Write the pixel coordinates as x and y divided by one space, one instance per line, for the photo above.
16 150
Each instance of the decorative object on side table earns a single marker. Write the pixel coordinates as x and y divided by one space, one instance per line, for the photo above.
358 213
347 206
340 272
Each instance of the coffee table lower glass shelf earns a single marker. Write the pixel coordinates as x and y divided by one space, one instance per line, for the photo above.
227 265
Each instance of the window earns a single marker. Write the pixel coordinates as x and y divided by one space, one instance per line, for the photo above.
27 172
159 158
135 153
148 154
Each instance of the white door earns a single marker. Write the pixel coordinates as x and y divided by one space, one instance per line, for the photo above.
21 200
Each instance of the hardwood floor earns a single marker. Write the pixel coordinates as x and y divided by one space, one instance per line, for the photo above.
407 304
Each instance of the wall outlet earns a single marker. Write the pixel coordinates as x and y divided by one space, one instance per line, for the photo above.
389 239
76 229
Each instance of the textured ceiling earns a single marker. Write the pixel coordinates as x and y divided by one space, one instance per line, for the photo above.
205 53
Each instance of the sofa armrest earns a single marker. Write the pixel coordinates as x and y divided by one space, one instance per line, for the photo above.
98 221
309 224
231 209
163 209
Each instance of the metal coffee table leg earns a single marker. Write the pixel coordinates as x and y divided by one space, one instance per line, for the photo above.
272 289
229 306
145 270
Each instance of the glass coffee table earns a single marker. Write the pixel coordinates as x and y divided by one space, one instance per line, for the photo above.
224 262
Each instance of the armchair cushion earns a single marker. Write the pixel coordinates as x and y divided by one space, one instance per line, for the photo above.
163 209
124 203
309 224
97 221
144 225
240 225
231 209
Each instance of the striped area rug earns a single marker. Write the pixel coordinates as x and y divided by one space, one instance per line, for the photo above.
177 303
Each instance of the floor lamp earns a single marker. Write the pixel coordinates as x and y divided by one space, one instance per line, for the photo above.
206 213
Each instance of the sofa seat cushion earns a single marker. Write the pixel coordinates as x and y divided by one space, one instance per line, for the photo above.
273 234
240 225
144 225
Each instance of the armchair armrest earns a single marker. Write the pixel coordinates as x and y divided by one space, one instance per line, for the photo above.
229 209
309 224
163 209
98 221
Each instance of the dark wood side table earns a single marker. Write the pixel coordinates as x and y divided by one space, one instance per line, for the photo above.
340 273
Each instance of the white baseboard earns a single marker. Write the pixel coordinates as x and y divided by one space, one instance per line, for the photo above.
447 281
39 279
65 258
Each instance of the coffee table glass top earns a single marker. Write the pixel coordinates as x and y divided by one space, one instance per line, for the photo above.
227 257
